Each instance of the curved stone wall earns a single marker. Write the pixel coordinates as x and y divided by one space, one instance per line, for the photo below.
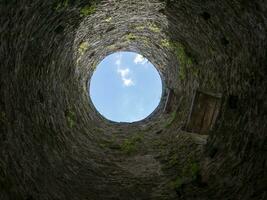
55 145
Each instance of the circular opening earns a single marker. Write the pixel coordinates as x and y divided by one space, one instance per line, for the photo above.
125 87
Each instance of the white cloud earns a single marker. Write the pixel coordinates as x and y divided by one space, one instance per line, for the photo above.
124 74
128 82
139 59
118 60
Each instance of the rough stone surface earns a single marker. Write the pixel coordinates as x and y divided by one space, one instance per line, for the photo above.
55 145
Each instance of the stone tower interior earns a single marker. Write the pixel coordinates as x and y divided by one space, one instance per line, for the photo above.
54 145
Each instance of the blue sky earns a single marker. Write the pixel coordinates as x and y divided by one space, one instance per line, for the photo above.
125 87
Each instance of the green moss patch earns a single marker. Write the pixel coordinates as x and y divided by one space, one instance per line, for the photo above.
88 10
154 28
130 145
184 58
70 118
61 5
189 174
130 37
83 47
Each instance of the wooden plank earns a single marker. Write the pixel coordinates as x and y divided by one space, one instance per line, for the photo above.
204 111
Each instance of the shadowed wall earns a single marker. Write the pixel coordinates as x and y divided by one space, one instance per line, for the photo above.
55 145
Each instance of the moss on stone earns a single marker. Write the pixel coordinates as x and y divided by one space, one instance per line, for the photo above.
88 10
130 145
130 37
61 5
190 171
188 175
165 43
108 19
195 170
140 28
70 118
185 60
154 28
36 142
83 47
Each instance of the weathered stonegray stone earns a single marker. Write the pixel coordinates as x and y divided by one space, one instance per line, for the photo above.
55 145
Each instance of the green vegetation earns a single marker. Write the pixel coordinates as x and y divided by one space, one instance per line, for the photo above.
179 158
171 120
165 43
154 28
191 171
131 37
130 145
139 28
88 10
150 26
188 175
83 48
84 11
61 5
195 170
185 60
108 19
71 118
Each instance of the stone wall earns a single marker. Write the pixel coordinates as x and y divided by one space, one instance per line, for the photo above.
55 145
